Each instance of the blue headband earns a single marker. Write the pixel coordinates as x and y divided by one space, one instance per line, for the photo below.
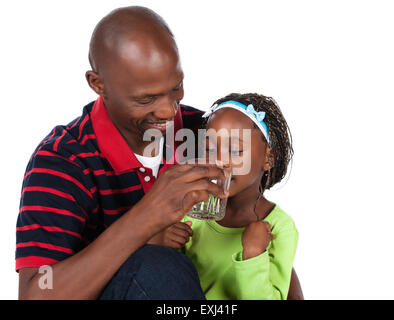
256 117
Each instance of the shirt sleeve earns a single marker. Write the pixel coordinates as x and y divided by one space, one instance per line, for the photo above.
53 211
267 276
192 118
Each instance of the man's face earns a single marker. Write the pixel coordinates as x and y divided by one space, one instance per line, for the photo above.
142 88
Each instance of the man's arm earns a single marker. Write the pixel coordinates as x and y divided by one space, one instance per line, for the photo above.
85 274
295 291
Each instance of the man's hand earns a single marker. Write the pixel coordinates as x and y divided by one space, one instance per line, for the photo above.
175 236
177 189
255 239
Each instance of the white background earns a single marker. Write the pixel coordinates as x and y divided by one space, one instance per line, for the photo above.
329 65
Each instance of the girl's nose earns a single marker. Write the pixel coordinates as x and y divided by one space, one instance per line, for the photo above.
223 157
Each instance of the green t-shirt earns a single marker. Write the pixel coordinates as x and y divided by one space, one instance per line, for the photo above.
216 252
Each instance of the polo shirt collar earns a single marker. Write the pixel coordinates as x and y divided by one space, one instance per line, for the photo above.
112 144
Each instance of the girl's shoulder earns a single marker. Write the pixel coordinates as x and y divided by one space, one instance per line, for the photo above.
279 219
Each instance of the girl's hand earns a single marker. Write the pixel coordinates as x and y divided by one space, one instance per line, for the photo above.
175 236
255 239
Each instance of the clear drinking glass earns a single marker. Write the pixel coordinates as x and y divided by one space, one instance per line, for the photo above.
214 208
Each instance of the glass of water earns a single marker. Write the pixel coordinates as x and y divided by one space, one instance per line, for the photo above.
214 208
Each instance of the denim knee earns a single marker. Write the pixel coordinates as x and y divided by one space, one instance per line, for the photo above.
155 272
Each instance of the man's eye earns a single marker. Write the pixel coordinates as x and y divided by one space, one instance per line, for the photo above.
146 100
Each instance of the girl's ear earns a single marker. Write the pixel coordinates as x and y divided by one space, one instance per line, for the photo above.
268 159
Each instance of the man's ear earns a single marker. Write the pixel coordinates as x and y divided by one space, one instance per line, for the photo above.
94 82
269 159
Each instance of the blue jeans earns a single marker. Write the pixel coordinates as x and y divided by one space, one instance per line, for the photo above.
155 272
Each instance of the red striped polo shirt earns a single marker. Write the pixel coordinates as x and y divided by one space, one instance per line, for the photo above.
79 180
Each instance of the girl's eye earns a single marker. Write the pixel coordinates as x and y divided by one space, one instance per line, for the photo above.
236 152
233 152
178 87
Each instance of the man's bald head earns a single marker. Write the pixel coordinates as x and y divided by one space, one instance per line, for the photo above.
136 71
125 26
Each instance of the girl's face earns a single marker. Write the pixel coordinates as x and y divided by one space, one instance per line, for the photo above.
234 147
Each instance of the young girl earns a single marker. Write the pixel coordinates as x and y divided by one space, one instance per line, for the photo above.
249 253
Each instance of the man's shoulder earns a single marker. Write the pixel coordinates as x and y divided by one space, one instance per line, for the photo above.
73 138
191 117
188 110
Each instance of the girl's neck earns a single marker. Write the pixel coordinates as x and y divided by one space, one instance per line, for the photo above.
240 208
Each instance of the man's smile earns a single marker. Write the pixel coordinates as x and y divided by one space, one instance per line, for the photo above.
160 125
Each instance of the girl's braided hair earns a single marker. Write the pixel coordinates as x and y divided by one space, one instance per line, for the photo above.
278 130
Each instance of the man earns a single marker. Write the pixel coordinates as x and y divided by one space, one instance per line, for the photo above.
91 198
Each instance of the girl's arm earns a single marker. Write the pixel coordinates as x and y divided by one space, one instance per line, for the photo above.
264 272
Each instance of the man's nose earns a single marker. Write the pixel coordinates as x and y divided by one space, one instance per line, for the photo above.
166 110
